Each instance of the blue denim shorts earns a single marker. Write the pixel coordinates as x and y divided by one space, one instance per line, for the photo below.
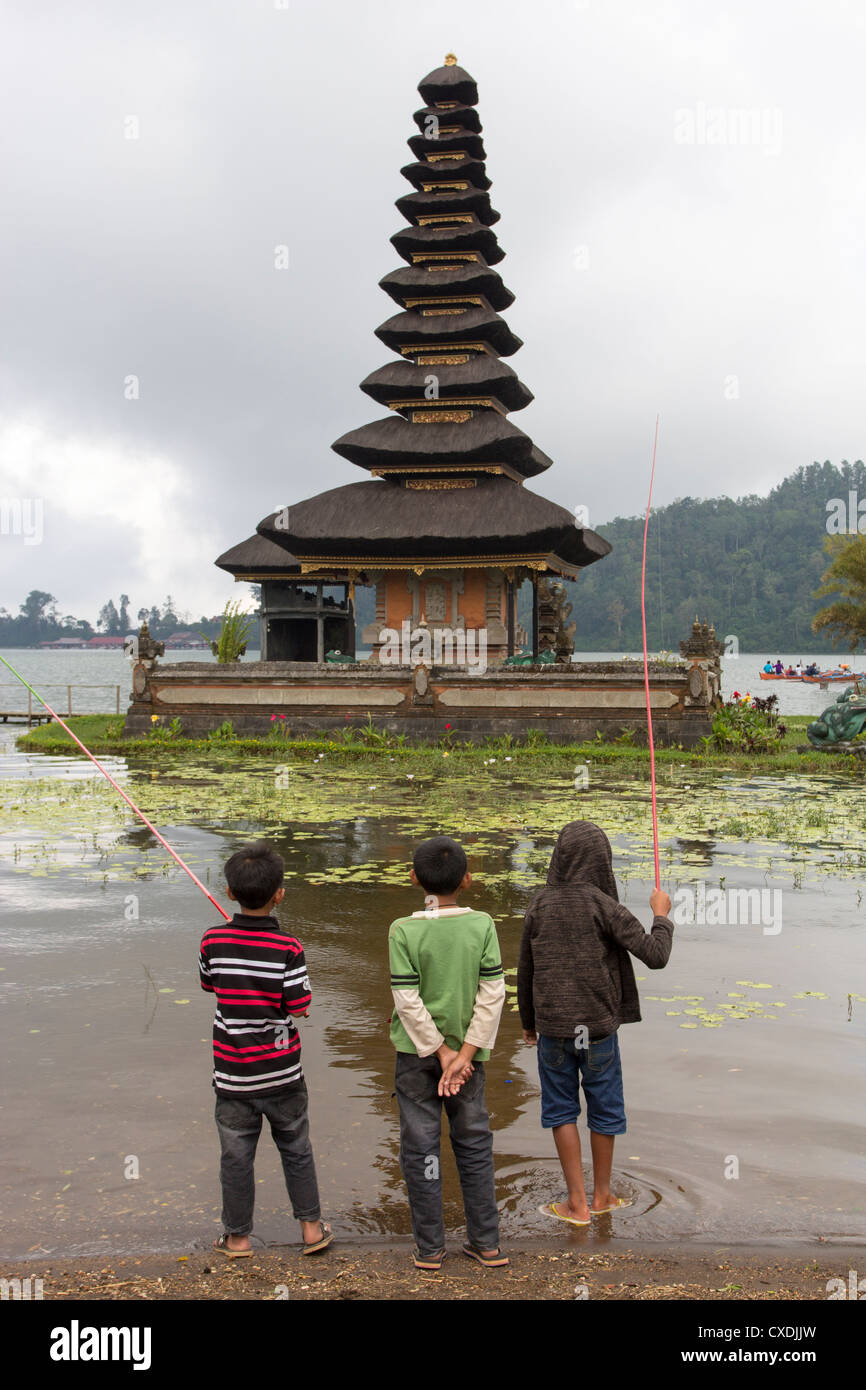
561 1069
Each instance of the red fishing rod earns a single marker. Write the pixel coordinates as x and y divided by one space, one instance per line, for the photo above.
649 717
107 775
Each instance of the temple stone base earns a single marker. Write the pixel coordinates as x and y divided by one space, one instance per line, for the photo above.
567 702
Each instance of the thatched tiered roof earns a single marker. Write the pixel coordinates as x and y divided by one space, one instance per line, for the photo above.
451 465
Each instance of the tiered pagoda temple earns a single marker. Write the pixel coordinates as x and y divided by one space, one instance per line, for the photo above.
445 527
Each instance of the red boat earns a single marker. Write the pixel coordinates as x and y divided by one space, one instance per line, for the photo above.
834 676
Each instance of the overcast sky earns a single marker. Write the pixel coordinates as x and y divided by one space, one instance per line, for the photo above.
666 256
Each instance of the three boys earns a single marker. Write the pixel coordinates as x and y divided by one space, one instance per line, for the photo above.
575 987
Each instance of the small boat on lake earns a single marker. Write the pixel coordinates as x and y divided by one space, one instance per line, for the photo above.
833 676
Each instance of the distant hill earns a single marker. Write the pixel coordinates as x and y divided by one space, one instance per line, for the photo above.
749 566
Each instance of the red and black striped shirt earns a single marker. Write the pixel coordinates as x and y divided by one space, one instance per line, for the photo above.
259 977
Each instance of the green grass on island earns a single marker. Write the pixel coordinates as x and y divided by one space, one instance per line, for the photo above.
533 754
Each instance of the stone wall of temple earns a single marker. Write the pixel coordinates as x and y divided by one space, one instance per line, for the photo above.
568 702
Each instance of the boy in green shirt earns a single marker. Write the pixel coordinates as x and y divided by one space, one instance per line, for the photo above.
449 989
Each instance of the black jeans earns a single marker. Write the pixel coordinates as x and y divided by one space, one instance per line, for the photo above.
239 1122
416 1083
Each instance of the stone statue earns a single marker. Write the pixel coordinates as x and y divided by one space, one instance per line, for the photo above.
555 633
843 721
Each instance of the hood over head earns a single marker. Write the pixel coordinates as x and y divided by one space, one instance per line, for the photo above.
582 854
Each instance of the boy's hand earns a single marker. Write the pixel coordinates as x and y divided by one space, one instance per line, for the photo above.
454 1076
660 903
530 1037
446 1056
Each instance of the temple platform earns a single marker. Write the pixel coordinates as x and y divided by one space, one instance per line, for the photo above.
569 702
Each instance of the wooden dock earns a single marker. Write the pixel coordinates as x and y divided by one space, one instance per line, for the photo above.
37 714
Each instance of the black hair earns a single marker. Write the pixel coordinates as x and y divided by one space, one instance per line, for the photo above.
439 864
254 873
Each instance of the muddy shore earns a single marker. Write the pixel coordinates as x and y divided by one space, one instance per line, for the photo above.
385 1272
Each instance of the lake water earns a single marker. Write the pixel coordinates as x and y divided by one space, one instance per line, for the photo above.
751 1046
52 672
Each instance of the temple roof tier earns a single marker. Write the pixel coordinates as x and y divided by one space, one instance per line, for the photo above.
465 116
429 520
403 381
410 242
258 556
445 168
439 278
448 84
469 324
449 138
441 433
456 203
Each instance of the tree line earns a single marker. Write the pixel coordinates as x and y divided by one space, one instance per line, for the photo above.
40 620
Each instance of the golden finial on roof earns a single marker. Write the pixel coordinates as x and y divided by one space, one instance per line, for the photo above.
450 59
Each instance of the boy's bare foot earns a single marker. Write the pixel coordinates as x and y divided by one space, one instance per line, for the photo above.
491 1259
564 1211
235 1247
612 1204
317 1236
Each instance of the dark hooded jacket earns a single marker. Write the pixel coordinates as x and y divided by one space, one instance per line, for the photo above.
574 956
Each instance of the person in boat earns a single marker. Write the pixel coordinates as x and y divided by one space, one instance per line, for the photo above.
798 669
790 672
811 669
769 668
780 670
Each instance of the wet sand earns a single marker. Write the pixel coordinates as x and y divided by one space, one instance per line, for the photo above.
382 1272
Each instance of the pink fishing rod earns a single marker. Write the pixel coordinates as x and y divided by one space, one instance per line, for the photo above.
649 717
107 775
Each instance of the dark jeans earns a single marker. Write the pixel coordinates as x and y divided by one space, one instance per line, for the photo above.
416 1082
239 1122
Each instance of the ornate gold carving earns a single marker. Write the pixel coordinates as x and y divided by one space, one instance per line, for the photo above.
436 313
418 257
419 469
450 59
446 402
446 154
456 187
409 349
456 359
443 299
445 219
328 564
439 484
441 417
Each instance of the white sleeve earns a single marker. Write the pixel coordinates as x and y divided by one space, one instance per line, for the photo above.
418 1022
484 1024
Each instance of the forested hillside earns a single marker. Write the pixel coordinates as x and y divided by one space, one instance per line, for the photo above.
750 566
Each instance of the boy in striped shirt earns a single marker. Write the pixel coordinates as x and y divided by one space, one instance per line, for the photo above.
449 989
259 977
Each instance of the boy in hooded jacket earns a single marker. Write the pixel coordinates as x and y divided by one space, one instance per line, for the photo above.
575 986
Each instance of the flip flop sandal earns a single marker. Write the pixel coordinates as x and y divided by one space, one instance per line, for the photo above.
230 1254
432 1263
614 1206
316 1245
495 1261
549 1209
